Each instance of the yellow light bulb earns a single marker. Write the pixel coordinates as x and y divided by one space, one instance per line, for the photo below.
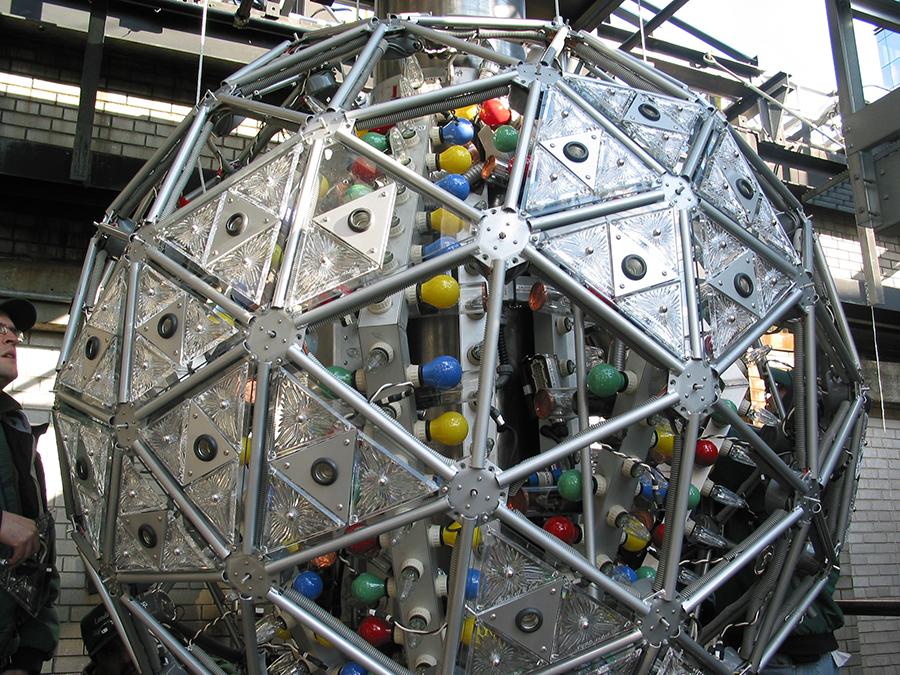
450 534
665 441
324 185
441 292
469 112
450 428
455 159
445 222
322 641
468 629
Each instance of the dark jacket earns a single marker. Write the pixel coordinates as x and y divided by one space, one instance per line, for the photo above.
26 641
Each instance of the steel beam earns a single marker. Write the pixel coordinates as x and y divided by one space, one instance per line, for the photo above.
80 168
658 20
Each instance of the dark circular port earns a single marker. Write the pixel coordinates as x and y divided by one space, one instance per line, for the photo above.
743 284
649 111
324 471
82 468
745 187
92 348
529 620
634 267
235 224
167 326
206 448
147 536
575 151
360 220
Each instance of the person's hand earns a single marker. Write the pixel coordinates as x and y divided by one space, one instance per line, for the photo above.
20 534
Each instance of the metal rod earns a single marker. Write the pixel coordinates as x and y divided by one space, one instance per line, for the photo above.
175 491
84 550
488 372
710 662
401 104
792 620
690 283
749 239
426 510
675 521
610 646
251 646
195 283
219 601
257 63
605 208
783 473
733 561
762 364
588 501
302 54
517 173
774 315
610 128
409 178
389 426
385 287
193 161
592 435
834 452
458 44
695 154
304 207
77 307
833 339
840 317
181 161
570 557
330 628
468 22
849 485
456 595
164 636
361 69
168 577
556 46
131 301
614 322
83 406
113 493
199 377
151 164
253 491
774 603
264 110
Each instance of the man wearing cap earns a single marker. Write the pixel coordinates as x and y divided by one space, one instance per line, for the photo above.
28 637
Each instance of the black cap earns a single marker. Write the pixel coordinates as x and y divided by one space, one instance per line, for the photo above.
22 312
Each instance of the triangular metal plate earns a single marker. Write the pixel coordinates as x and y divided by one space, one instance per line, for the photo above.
170 346
725 281
238 221
656 260
543 602
199 426
155 522
339 450
587 144
373 212
646 111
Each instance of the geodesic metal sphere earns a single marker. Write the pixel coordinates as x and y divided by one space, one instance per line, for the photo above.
300 381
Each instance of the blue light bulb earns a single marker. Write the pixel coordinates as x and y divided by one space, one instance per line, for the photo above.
455 184
438 247
473 579
351 668
444 372
457 132
308 584
624 574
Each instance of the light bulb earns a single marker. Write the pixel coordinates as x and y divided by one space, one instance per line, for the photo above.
398 146
663 442
469 112
546 299
438 247
352 668
722 495
446 536
441 221
308 584
563 529
412 72
606 380
506 138
376 631
570 485
455 184
718 417
380 355
439 292
376 140
455 159
415 622
455 132
636 535
706 453
443 372
495 112
556 404
736 453
409 577
356 191
705 536
368 588
473 582
450 428
624 574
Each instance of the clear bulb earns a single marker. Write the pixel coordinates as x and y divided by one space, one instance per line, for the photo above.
416 623
398 145
409 577
706 537
268 627
722 495
412 72
378 358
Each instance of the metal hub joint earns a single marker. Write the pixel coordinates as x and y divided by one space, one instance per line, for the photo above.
125 425
247 574
529 72
475 493
271 335
662 623
696 386
502 234
678 192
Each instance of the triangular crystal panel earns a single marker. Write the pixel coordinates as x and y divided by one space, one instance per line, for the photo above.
107 313
223 402
585 252
490 654
190 234
383 481
291 517
150 369
659 311
130 555
246 267
139 491
585 622
509 571
103 385
180 550
297 417
167 439
216 495
727 319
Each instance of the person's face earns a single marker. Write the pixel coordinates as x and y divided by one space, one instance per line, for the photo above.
9 371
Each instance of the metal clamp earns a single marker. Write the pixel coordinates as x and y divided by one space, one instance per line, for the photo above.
271 335
475 493
663 622
247 574
501 235
697 387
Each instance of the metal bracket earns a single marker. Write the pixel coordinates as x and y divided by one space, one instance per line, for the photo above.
247 574
475 493
125 425
529 72
271 335
678 192
697 387
662 623
502 235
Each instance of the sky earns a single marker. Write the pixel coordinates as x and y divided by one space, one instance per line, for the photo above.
788 35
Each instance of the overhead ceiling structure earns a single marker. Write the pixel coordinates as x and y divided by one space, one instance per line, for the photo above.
238 403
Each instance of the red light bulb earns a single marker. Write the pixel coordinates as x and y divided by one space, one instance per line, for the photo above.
562 528
364 170
363 546
377 632
495 112
658 533
519 501
707 453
